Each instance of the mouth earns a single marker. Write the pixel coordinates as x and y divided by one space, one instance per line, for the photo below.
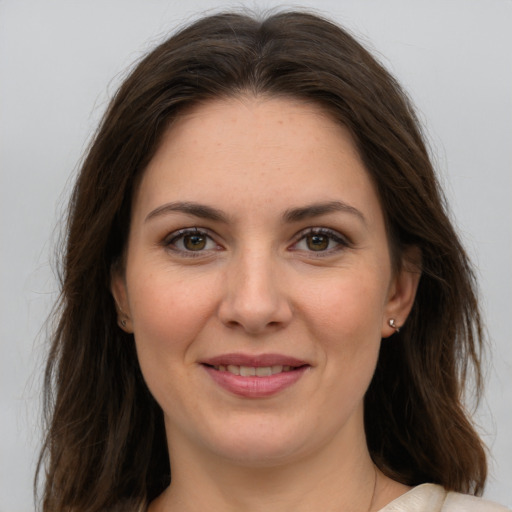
262 365
255 376
255 371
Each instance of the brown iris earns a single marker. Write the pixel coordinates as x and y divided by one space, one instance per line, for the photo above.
317 242
194 242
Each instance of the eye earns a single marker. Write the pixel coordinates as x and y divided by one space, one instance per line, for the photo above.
320 240
190 240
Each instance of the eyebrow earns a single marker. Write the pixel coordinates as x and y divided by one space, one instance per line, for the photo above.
291 215
197 210
318 209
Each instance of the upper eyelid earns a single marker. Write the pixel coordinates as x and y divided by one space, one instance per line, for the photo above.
187 231
169 239
170 243
342 241
176 234
321 230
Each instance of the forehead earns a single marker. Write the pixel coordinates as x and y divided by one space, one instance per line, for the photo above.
258 151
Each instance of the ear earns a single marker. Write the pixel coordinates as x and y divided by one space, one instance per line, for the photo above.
402 291
120 294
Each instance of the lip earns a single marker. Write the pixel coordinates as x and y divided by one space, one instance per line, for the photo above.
255 387
254 360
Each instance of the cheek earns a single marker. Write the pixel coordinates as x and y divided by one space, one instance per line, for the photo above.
168 311
346 317
350 307
349 327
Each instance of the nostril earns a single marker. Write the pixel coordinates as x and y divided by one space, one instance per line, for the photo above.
255 305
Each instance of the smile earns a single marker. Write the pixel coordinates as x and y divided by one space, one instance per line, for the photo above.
251 376
254 371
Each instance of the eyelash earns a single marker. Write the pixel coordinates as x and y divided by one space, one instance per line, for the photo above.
171 241
332 235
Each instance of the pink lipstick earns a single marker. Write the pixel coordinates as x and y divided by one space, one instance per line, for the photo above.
255 376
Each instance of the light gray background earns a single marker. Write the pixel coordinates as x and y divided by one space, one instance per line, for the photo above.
60 60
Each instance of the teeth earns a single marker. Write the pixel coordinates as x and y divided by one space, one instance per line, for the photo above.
251 371
264 371
247 371
233 369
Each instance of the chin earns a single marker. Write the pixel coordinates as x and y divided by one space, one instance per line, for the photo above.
263 444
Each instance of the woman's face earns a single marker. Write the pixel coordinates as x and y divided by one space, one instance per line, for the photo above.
258 281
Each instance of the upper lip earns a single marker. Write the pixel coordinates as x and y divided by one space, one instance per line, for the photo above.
255 361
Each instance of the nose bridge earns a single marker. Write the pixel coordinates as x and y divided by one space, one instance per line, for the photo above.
254 298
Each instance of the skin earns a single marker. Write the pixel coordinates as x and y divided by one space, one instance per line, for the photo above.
262 283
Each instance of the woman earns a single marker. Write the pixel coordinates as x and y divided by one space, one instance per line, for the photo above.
263 300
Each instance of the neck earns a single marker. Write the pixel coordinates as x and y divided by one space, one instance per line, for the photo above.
324 481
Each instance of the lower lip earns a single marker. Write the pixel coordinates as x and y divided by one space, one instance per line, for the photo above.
255 387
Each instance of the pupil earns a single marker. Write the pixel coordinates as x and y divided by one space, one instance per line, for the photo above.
195 242
318 242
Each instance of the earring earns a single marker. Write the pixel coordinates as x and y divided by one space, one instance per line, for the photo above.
392 324
122 322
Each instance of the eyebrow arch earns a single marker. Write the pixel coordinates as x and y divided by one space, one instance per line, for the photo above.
190 208
317 209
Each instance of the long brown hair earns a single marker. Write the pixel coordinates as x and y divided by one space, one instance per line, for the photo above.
105 445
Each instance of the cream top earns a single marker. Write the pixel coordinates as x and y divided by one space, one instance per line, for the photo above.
434 498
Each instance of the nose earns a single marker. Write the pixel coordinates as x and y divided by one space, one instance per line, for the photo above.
255 298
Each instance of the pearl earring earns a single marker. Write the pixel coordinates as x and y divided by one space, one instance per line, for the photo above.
392 324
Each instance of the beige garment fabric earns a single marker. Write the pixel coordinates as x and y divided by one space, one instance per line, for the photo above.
433 498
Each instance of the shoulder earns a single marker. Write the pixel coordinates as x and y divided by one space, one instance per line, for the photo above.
434 498
456 502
